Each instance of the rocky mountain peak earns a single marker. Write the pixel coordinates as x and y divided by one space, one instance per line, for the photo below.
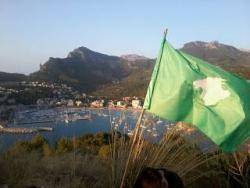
213 45
79 52
201 44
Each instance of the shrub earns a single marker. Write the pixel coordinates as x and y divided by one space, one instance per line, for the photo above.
104 152
64 145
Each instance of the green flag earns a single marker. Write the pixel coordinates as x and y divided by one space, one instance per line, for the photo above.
186 88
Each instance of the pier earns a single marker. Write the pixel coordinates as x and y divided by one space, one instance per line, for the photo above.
23 130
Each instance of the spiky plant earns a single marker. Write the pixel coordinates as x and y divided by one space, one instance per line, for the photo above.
128 158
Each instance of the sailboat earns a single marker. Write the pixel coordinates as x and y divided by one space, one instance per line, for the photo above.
66 120
159 121
130 133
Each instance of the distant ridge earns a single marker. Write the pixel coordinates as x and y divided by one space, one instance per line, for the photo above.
225 56
12 77
134 57
245 50
217 53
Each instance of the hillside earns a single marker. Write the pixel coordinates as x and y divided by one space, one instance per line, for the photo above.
134 84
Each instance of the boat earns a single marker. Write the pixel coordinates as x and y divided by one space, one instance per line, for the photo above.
155 135
44 128
159 121
85 117
66 120
130 133
1 126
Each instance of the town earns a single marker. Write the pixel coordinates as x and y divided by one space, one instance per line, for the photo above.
23 95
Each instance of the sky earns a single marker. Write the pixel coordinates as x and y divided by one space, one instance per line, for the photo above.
31 31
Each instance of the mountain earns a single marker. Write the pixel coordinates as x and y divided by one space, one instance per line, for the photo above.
93 72
227 57
217 53
12 77
224 56
83 69
100 74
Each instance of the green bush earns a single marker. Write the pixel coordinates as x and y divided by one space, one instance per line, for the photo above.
64 145
104 152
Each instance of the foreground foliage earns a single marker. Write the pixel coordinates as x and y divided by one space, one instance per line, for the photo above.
99 161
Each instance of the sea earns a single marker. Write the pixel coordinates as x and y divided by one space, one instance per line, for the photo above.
76 122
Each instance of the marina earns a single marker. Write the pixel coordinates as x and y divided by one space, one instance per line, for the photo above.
57 123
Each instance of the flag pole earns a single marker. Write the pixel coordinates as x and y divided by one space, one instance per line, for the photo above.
132 146
165 32
137 128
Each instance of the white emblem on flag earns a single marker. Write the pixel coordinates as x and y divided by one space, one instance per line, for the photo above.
212 91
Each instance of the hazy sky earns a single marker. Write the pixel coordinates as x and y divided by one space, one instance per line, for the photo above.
31 31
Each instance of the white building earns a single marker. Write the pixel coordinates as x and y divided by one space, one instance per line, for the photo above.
78 103
97 104
70 103
136 103
121 104
84 95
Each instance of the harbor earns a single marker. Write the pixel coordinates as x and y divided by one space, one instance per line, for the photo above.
50 115
57 123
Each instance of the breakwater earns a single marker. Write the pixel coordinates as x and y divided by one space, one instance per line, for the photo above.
24 130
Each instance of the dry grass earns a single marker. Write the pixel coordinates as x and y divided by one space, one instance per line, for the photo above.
59 171
127 159
237 167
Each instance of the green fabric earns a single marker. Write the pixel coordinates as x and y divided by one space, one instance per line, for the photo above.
185 88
